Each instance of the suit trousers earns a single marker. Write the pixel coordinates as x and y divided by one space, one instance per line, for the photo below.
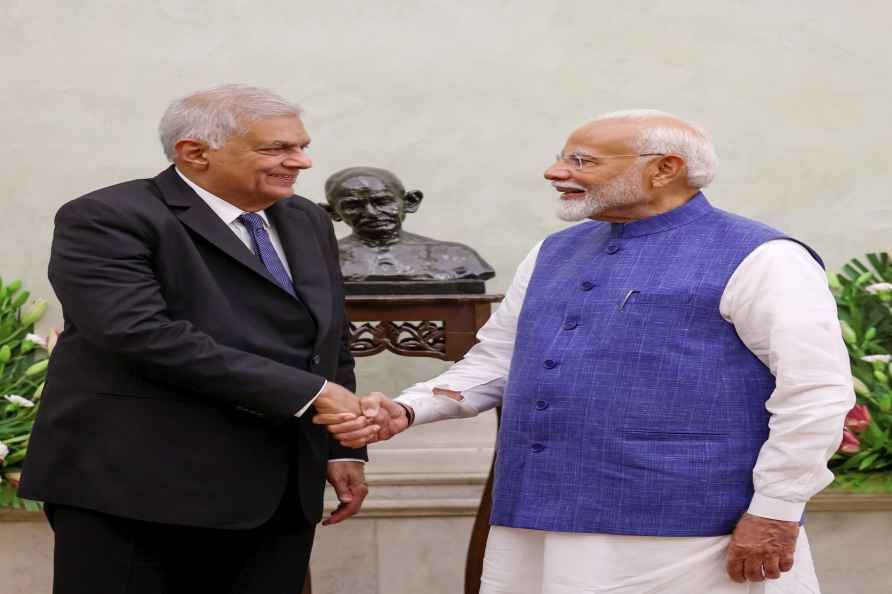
100 553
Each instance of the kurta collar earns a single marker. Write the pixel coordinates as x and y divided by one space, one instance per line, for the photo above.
691 210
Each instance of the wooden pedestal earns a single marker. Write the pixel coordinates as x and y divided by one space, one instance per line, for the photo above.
439 326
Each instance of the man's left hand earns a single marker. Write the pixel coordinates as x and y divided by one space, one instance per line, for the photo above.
348 480
761 548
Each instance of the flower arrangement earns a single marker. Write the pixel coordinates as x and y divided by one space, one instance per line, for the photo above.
23 361
864 300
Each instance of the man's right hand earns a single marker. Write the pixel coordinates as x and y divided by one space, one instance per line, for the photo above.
381 419
336 401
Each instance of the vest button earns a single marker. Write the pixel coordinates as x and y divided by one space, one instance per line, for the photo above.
537 447
541 405
587 285
570 324
315 359
612 248
550 363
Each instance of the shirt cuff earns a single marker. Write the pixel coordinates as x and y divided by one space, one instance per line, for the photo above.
312 400
429 408
776 509
347 460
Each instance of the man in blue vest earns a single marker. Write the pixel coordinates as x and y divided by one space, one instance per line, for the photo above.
672 381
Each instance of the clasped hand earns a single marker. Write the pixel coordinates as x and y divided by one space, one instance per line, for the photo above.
358 421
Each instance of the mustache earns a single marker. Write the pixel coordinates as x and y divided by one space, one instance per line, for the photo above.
558 185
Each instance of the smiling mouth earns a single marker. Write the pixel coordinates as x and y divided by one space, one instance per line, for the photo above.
570 193
284 179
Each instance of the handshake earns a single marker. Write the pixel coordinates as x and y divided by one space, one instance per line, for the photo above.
357 421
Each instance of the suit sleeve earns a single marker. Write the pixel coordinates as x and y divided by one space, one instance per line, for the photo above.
344 374
101 268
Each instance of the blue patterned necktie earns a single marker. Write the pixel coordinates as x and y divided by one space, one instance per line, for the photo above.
263 247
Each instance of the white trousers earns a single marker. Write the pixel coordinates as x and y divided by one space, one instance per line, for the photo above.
521 561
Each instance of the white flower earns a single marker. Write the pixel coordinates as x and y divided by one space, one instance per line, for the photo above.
877 358
878 288
4 451
19 401
36 339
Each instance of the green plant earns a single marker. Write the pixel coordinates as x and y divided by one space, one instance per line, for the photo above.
864 301
23 363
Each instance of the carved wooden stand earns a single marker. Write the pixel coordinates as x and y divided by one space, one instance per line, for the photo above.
439 326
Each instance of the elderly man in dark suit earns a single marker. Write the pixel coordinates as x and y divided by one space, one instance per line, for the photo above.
204 318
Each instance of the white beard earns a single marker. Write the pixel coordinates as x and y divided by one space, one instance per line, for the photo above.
620 191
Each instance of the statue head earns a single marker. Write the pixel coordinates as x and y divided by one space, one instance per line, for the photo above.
373 202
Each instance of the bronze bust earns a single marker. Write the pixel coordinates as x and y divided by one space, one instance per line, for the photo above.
379 256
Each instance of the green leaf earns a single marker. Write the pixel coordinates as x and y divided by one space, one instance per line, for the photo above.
37 368
21 299
876 262
861 267
851 272
875 436
866 462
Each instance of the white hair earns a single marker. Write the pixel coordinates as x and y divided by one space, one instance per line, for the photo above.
216 114
689 141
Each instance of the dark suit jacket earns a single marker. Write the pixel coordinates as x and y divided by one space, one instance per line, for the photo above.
171 393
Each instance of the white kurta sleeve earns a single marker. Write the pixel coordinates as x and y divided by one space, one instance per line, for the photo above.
481 375
783 311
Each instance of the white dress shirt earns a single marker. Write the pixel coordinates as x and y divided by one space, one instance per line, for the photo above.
780 305
229 214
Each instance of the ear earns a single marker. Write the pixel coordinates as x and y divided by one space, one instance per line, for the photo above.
412 200
331 212
192 153
668 169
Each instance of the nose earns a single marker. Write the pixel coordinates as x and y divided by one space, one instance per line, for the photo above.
557 172
370 208
298 160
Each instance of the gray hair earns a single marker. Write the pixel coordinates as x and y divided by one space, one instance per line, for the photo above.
689 141
216 114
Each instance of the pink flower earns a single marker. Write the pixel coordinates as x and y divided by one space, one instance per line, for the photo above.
850 443
858 418
51 340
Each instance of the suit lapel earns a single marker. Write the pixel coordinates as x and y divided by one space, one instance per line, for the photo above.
309 269
198 216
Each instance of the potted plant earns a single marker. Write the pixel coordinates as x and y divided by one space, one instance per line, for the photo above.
23 361
864 300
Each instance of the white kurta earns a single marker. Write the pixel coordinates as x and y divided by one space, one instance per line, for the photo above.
783 311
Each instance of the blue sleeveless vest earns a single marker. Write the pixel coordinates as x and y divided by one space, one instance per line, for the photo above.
632 407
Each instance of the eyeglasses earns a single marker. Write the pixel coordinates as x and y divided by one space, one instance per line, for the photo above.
579 162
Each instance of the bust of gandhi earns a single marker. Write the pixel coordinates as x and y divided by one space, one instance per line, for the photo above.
373 202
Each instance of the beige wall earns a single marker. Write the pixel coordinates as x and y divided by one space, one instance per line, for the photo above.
466 101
